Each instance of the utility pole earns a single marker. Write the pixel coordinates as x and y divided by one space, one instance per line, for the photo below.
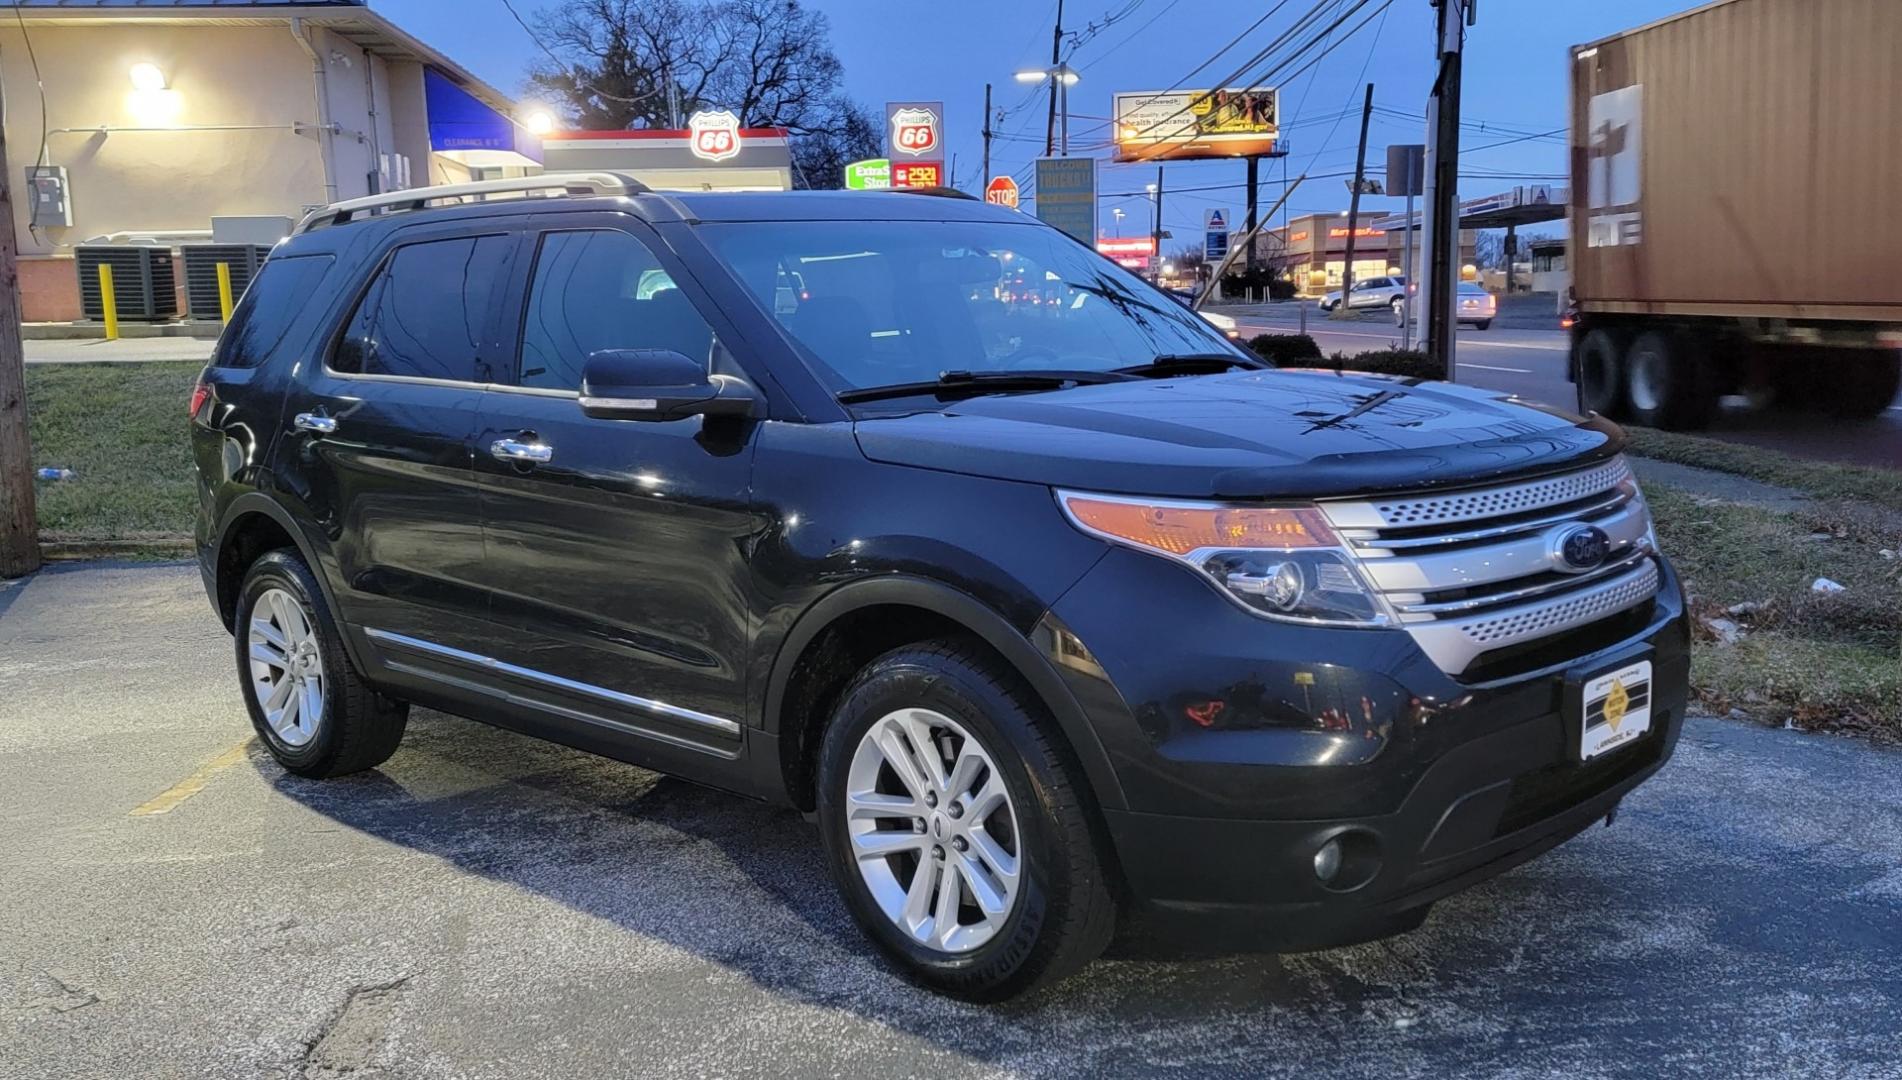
1056 59
1440 229
1353 201
19 524
1248 215
984 180
1155 233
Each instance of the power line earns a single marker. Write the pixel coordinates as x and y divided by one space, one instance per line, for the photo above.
543 46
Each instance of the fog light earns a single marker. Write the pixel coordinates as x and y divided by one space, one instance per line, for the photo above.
1327 862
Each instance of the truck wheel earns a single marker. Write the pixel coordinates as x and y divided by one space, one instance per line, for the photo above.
311 709
1600 374
1872 377
1668 383
956 827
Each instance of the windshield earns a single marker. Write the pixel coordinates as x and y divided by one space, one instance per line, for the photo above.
885 302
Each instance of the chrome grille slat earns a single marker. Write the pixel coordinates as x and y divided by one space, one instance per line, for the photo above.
1414 547
1583 513
1571 584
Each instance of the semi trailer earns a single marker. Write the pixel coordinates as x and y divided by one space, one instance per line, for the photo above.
1736 211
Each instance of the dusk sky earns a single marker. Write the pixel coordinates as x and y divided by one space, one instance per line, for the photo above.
908 50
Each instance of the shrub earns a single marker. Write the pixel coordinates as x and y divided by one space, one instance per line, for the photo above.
1280 349
1406 363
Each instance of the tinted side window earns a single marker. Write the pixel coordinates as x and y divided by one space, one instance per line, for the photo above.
424 314
276 296
602 289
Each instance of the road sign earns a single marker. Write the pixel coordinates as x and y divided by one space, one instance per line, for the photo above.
914 129
714 136
869 175
1214 235
1066 195
1002 190
1406 169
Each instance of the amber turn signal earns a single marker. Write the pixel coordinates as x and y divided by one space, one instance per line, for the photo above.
1178 529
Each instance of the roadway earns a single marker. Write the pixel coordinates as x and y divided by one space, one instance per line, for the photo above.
1530 363
486 906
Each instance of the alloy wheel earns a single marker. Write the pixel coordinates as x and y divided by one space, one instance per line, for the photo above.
287 668
933 830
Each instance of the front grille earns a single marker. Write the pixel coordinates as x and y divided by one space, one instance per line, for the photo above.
1472 573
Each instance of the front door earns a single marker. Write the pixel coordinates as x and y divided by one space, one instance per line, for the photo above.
618 561
379 437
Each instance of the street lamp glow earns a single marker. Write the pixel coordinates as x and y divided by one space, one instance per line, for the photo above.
1032 76
146 76
540 122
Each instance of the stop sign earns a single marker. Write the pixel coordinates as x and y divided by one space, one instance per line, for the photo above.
1002 190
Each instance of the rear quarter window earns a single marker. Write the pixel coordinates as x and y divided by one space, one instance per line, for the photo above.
282 289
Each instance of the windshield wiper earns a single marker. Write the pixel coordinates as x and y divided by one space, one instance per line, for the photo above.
1192 364
973 383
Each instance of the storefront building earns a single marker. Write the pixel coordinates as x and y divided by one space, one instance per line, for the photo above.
1312 251
162 121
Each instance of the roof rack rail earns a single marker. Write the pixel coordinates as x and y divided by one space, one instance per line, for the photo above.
937 192
564 183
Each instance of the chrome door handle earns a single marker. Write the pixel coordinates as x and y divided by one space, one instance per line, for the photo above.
317 422
513 450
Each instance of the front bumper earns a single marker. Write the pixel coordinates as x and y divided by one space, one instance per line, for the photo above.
1322 733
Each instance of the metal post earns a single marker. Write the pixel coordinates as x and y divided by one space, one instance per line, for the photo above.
108 302
1248 222
1406 305
1063 105
984 181
1155 233
224 292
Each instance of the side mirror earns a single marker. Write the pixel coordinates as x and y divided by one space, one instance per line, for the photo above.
658 384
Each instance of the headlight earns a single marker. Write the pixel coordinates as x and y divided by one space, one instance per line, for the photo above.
1279 562
1224 323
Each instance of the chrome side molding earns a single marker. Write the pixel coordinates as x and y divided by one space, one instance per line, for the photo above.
657 708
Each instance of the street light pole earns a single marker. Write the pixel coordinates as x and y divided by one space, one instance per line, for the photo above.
1155 234
19 525
1440 223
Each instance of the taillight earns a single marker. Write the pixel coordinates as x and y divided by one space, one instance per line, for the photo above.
200 394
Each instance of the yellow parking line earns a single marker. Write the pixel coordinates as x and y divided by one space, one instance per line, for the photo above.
193 784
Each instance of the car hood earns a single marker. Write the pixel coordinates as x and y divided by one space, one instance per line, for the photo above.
1249 434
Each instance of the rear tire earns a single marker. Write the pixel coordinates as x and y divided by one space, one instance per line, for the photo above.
1483 324
1872 377
1668 382
1040 850
318 717
1601 374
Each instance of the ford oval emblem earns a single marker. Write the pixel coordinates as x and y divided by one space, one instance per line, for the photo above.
1578 548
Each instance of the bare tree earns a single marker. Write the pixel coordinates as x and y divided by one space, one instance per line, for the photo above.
614 64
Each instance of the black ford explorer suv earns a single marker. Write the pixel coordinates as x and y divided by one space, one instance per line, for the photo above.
1043 600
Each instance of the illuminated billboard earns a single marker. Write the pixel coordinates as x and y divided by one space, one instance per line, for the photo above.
1178 125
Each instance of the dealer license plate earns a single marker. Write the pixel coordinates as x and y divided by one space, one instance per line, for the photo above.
1617 710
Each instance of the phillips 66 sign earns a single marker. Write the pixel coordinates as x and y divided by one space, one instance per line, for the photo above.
715 136
914 129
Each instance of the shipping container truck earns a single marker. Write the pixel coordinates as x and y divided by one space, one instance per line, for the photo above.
1736 210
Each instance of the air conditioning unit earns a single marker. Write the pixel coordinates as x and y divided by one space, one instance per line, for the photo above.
143 286
201 274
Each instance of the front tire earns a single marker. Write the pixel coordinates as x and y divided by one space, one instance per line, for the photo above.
956 826
1601 382
310 708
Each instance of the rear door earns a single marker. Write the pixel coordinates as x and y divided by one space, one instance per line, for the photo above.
378 434
619 564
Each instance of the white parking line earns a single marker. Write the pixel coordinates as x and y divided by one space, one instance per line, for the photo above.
1489 367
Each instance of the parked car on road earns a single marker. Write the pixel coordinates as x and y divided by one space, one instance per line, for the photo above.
1472 306
1047 608
1373 293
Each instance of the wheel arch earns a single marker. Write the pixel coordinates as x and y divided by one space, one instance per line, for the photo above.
800 686
249 528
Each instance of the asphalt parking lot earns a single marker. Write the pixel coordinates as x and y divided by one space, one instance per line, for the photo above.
490 906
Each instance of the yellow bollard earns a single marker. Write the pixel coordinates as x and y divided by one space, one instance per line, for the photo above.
224 291
108 302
